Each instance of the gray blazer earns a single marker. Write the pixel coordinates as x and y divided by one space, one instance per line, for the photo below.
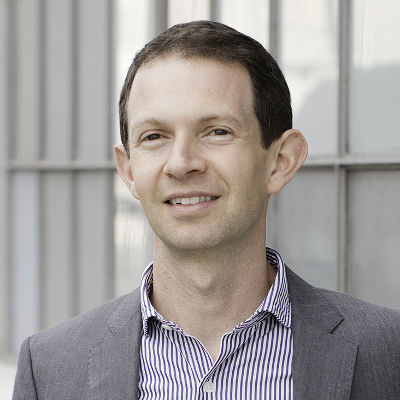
344 348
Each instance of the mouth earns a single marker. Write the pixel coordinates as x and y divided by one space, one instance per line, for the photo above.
191 200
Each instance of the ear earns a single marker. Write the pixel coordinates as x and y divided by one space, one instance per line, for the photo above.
124 169
289 153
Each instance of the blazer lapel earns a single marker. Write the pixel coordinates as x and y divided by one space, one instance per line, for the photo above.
114 362
323 363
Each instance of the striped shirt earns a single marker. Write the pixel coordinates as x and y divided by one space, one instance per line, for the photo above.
255 360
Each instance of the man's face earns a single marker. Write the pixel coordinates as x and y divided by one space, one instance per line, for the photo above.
197 162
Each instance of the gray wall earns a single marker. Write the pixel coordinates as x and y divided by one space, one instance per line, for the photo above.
70 236
57 170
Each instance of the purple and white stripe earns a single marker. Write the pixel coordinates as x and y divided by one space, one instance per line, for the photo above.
255 361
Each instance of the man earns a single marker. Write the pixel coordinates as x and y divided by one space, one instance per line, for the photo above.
206 127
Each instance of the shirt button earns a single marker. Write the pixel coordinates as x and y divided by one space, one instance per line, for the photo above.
209 387
166 327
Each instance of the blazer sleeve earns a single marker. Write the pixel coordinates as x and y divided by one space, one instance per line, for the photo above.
24 386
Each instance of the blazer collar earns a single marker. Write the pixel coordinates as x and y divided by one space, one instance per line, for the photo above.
114 362
323 363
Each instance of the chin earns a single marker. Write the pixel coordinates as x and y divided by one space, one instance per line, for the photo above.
192 243
189 245
188 241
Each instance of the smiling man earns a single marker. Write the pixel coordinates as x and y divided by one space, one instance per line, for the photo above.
206 127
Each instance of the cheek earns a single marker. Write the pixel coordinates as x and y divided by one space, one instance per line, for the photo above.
245 181
248 169
142 180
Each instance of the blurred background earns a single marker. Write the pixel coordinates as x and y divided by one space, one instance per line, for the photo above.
71 237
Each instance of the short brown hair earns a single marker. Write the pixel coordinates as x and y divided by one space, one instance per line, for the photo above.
271 102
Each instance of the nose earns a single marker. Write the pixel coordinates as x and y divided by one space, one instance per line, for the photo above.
185 158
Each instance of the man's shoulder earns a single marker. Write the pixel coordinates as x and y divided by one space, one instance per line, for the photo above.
370 331
374 329
86 330
353 318
353 306
58 358
364 320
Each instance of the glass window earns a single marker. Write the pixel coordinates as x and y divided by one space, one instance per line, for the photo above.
27 81
93 69
24 255
131 34
252 21
180 11
309 59
93 242
375 77
133 240
374 236
58 89
57 254
304 220
132 235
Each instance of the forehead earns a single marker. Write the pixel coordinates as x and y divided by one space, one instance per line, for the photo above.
175 85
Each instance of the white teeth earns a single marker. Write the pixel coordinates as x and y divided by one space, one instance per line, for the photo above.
191 200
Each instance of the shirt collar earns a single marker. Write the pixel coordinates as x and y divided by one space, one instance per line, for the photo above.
148 311
275 302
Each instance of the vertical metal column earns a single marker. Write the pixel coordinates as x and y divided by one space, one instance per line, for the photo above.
158 21
343 115
274 49
274 28
74 152
215 10
112 110
5 123
41 155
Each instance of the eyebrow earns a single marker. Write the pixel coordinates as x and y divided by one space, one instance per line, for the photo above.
149 121
225 117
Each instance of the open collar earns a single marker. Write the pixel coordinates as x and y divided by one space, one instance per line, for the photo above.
276 301
323 362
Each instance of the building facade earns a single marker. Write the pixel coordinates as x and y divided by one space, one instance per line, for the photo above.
71 237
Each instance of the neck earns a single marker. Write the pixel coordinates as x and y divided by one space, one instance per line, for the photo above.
202 291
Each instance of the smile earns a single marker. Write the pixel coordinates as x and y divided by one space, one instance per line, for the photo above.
191 200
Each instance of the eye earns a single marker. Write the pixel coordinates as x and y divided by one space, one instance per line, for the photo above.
219 132
152 137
